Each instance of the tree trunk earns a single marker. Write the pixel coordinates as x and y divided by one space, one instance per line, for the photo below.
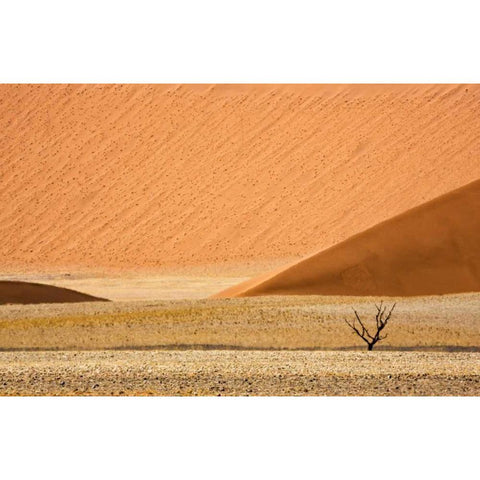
370 346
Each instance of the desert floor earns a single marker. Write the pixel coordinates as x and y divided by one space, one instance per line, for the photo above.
295 345
196 372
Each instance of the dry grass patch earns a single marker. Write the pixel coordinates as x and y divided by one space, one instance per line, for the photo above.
443 322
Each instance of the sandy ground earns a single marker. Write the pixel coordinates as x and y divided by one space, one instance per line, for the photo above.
239 373
149 176
170 286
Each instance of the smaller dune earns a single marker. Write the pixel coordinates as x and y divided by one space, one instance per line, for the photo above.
26 292
432 249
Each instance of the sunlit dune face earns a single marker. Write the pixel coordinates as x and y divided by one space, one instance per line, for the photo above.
158 176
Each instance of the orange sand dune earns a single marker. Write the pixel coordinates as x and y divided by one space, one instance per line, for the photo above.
431 249
26 292
158 176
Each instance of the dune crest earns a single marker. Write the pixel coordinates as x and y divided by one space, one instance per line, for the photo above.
27 292
159 176
428 250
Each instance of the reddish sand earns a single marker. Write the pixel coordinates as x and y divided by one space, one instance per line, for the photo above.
149 177
25 292
428 250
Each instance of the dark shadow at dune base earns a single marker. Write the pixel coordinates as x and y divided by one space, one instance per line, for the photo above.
222 347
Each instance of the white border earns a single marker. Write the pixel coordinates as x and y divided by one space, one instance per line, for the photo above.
340 41
238 438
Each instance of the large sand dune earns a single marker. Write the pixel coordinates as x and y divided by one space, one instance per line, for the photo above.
25 293
149 177
431 249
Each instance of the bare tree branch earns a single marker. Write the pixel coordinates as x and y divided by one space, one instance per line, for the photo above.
364 330
381 321
352 326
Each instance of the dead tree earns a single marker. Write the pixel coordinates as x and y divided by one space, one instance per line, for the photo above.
381 320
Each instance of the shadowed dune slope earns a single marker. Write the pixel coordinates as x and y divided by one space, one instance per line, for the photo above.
428 250
25 292
154 176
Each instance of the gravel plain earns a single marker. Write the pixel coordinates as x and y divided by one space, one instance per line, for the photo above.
223 372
